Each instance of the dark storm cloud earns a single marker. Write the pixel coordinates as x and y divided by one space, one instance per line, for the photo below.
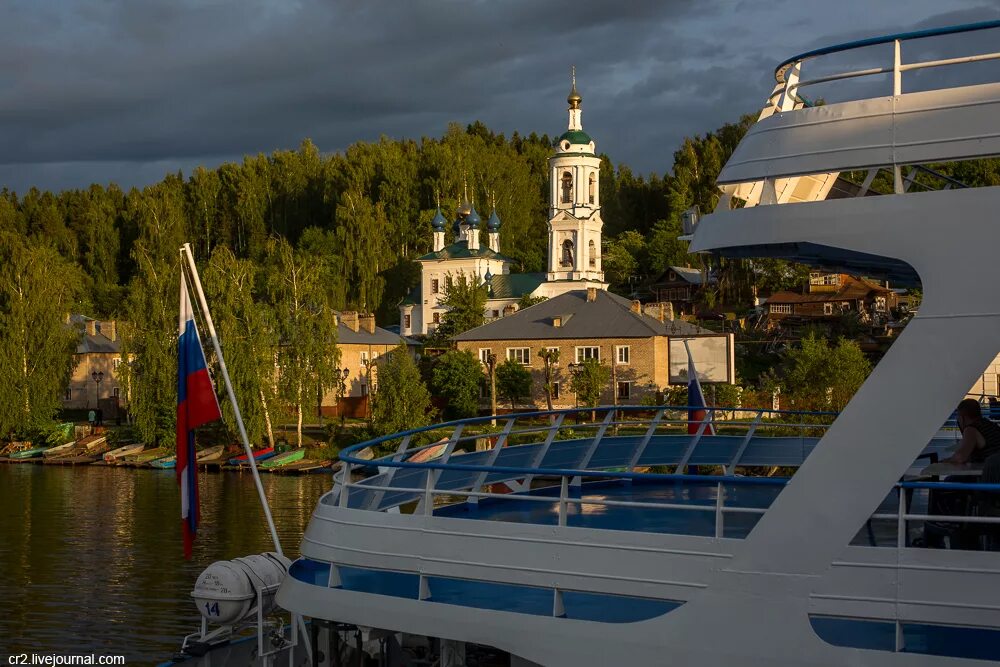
126 90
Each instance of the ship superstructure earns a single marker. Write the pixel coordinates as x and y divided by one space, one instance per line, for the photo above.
581 537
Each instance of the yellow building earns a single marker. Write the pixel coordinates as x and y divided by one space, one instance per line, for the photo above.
95 379
362 347
643 347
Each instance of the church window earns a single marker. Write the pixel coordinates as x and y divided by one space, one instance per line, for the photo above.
567 187
567 253
592 254
593 188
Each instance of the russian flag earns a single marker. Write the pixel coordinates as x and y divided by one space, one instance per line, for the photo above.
196 405
696 400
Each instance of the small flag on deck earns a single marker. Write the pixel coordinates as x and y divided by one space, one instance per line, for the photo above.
196 405
696 400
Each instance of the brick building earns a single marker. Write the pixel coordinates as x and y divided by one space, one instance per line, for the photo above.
641 345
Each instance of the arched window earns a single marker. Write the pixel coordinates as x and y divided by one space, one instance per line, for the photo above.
567 187
592 254
593 188
567 253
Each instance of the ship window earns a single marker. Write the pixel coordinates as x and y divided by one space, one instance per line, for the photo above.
567 187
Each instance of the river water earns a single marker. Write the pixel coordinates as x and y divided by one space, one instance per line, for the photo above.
91 558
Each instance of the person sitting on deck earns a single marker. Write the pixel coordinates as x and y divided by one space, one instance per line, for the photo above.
980 440
980 436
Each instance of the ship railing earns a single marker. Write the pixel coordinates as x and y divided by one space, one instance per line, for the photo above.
618 450
788 75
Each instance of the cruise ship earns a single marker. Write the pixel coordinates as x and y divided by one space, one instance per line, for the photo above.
615 536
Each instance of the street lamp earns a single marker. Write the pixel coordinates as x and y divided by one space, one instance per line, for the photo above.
98 377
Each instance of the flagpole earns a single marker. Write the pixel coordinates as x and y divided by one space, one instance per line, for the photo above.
186 250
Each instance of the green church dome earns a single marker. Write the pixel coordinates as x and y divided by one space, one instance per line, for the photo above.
575 137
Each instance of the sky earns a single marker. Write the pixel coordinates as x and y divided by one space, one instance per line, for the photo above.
129 90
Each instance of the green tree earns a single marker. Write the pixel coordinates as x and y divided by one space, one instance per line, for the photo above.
513 381
307 354
401 400
823 376
457 377
249 337
549 357
149 338
38 288
465 300
590 381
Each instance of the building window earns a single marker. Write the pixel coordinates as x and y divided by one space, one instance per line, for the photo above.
622 354
824 279
592 188
363 356
436 318
592 254
584 353
447 283
555 390
784 308
434 285
115 363
406 321
116 392
880 304
364 389
484 355
624 389
567 253
68 395
556 350
521 355
828 309
567 187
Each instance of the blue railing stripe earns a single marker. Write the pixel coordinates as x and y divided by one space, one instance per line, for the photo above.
779 71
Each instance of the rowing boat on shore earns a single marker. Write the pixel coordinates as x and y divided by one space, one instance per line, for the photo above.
166 463
148 455
60 450
212 454
30 453
284 459
117 455
258 455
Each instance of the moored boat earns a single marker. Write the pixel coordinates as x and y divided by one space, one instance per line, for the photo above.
284 459
147 455
30 453
166 463
60 450
117 455
212 454
258 455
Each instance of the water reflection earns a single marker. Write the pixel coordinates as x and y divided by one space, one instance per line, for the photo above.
90 557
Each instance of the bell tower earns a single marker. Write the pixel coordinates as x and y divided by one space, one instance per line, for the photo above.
575 202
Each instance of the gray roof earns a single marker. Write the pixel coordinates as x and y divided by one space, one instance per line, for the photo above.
97 344
608 316
687 274
346 336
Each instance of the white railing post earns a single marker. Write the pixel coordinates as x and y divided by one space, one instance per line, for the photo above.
345 484
901 520
897 72
563 495
429 493
718 510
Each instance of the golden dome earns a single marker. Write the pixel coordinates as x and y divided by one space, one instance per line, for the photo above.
574 98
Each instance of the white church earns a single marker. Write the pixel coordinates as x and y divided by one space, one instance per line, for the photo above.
574 251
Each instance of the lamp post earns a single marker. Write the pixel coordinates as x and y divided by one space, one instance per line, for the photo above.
98 377
491 364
